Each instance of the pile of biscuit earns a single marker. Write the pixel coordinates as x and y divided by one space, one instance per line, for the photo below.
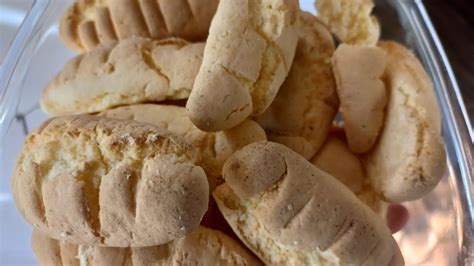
231 132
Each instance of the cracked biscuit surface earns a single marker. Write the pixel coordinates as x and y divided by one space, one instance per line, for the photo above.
88 23
100 181
350 20
303 110
202 246
127 72
291 213
247 57
409 159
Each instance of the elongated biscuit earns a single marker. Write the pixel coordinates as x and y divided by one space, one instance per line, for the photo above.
305 106
248 54
202 246
88 23
214 147
127 72
337 160
350 20
358 71
409 159
101 181
291 213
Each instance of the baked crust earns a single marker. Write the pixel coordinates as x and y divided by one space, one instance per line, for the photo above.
88 23
248 55
303 110
290 213
131 71
409 159
101 181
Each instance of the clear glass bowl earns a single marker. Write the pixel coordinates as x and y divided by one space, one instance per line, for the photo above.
440 229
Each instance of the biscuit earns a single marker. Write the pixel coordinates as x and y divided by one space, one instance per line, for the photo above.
337 160
88 23
126 72
247 57
305 106
52 252
214 147
350 20
409 159
202 246
358 71
290 213
101 181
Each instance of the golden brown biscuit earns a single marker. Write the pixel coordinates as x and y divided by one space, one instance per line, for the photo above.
337 160
248 54
101 181
409 158
88 23
290 213
350 20
305 106
358 71
202 246
126 72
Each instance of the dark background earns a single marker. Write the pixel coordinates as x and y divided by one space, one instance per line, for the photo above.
454 22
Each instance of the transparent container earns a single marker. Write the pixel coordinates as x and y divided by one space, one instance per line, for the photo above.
440 229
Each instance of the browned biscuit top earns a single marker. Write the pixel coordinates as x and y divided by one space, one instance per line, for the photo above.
91 180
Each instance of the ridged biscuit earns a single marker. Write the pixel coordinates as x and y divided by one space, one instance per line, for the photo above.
350 20
409 159
358 71
101 181
51 252
290 213
88 23
127 72
214 147
337 160
202 246
305 106
248 55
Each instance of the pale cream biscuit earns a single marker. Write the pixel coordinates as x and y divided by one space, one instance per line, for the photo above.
291 213
248 55
202 246
102 181
88 23
213 147
409 159
305 106
127 72
51 252
358 71
337 160
350 20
